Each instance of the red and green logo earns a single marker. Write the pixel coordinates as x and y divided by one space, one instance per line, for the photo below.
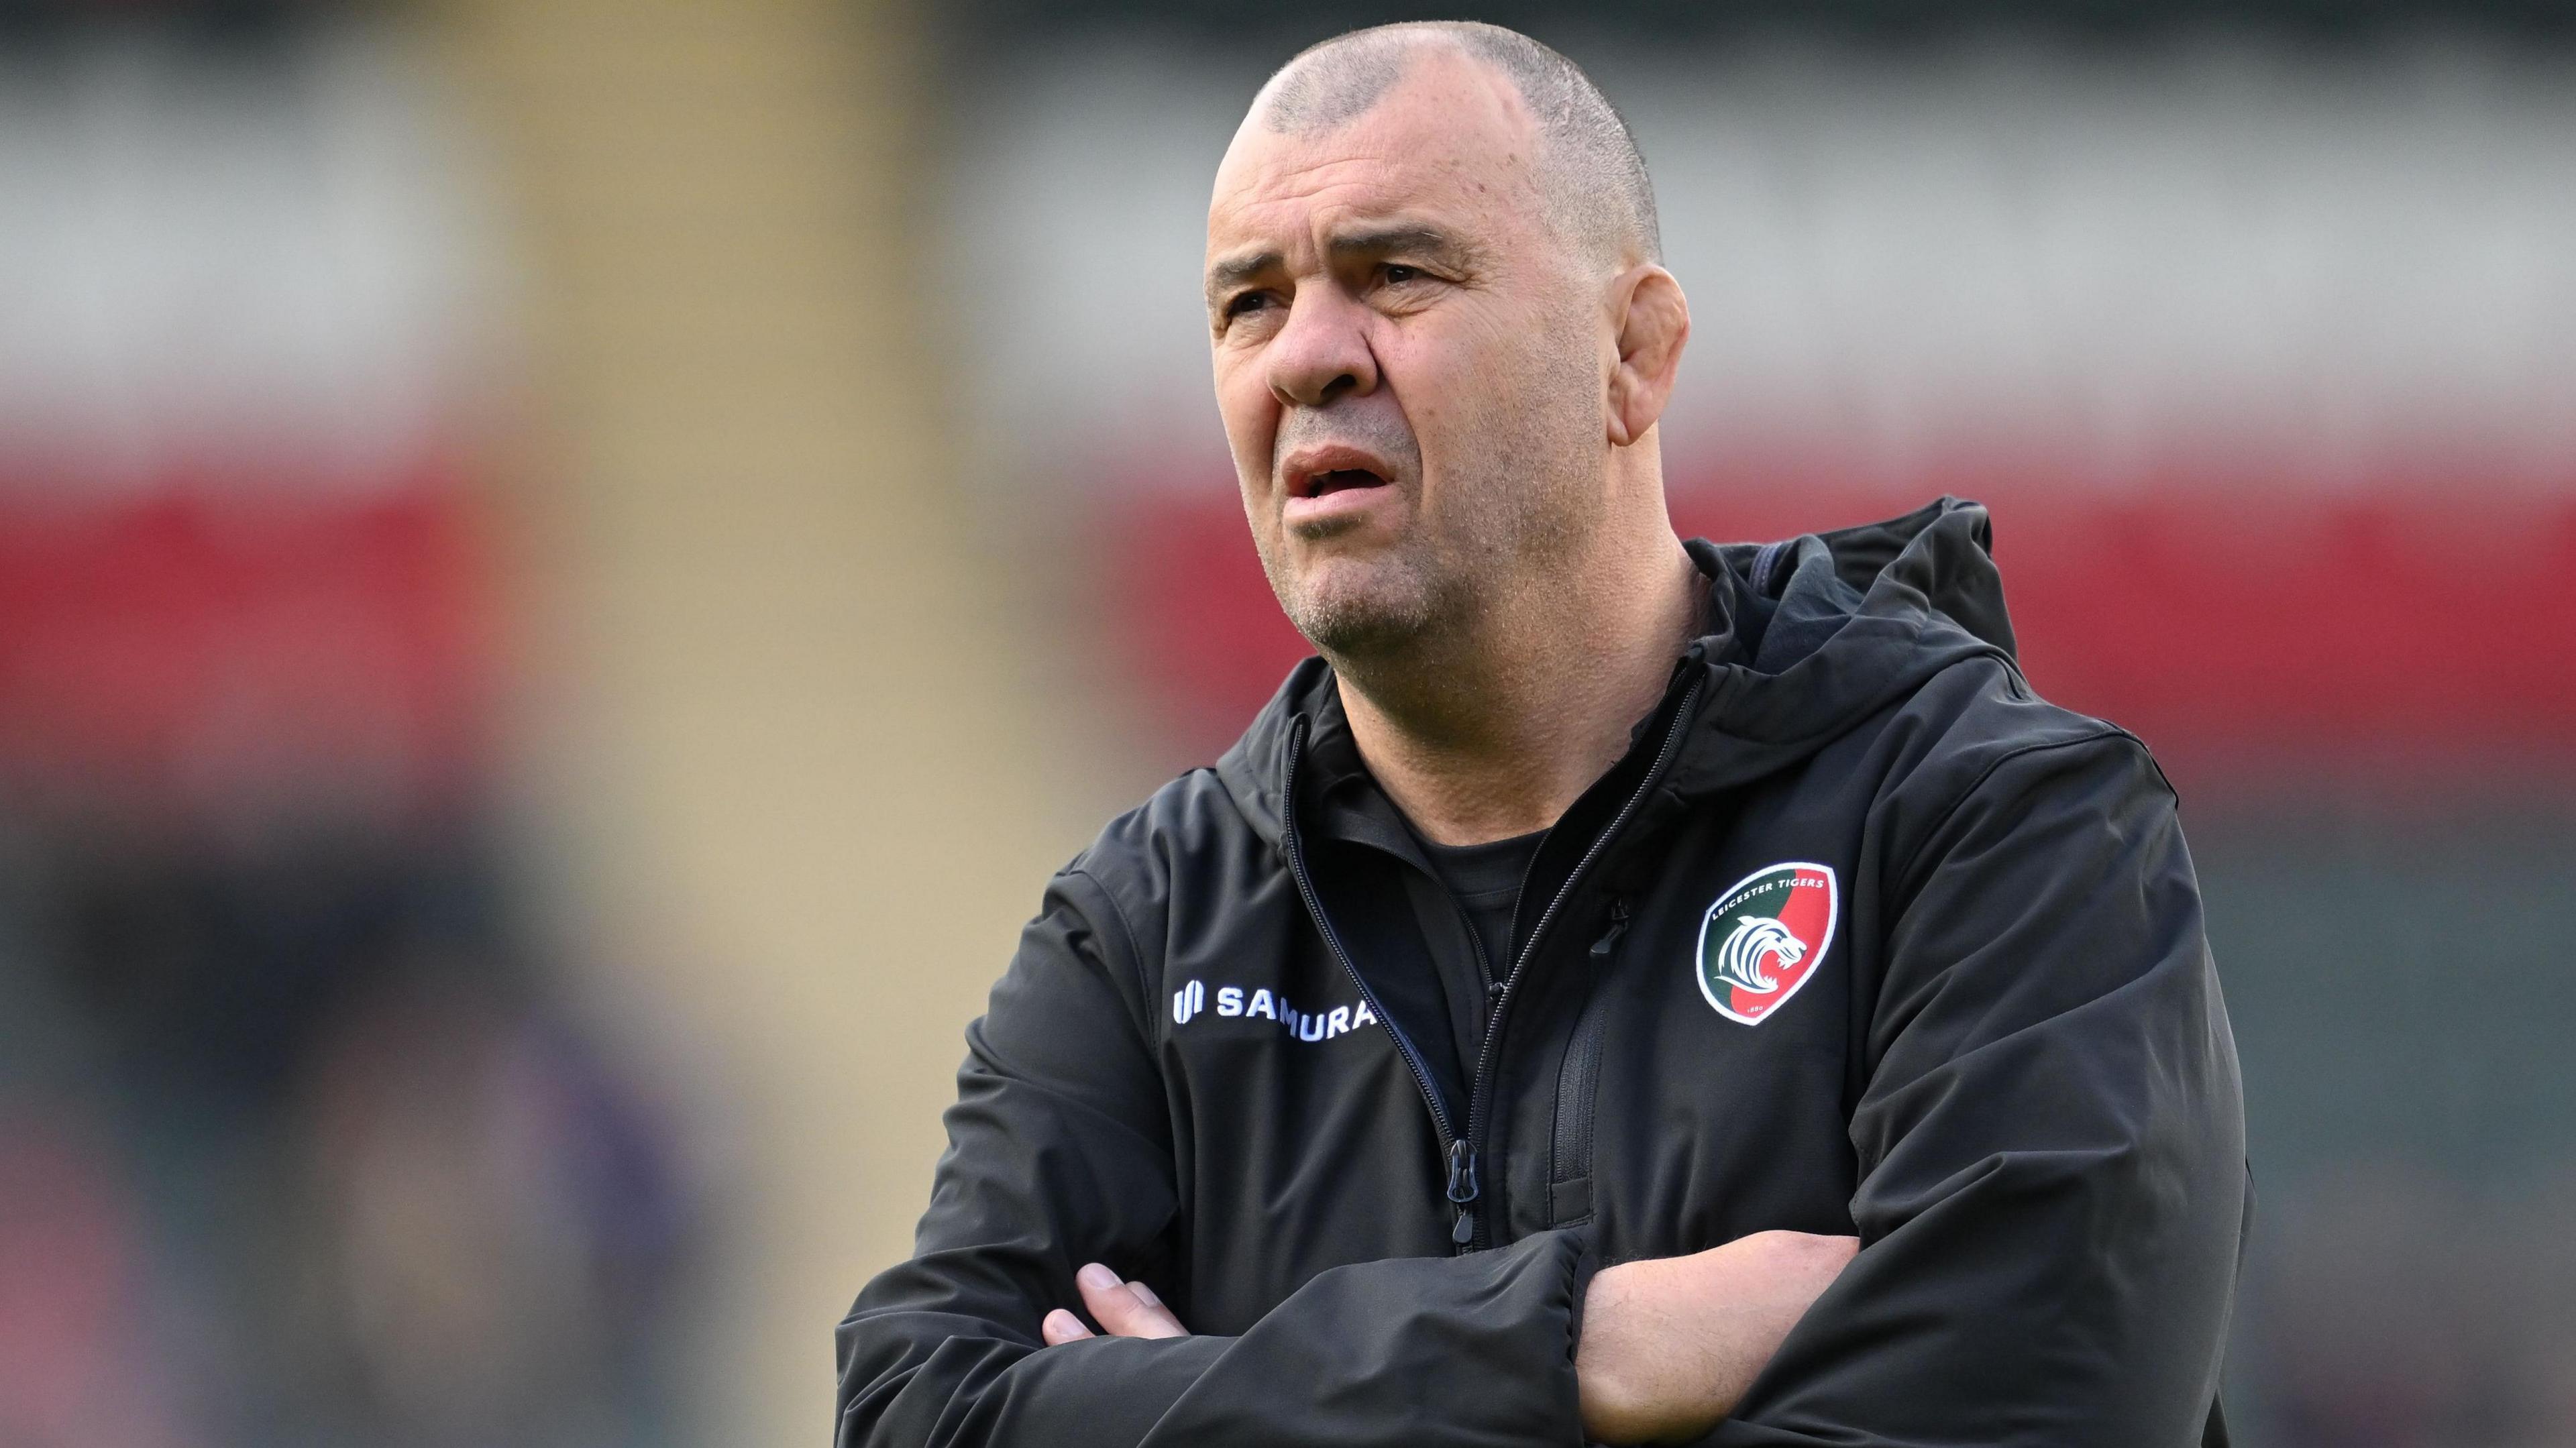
1765 935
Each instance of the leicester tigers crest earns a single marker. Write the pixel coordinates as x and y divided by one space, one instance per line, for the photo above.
1765 935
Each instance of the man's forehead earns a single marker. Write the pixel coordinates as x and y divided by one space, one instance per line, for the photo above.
1404 157
1333 193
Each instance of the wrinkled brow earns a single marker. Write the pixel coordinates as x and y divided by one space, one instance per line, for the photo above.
1410 239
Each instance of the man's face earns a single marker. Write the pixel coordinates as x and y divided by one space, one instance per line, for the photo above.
1409 361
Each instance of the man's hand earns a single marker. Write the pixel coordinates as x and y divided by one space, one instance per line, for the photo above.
1123 1309
1670 1345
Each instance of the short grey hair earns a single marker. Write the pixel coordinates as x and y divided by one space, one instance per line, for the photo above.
1593 173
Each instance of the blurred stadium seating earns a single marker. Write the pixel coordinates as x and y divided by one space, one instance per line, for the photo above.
299 1139
566 569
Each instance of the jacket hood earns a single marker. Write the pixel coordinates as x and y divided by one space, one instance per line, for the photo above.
1807 637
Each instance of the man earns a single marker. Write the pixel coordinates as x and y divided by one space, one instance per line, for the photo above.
1513 1037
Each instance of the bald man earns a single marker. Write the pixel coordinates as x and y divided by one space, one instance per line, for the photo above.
1623 990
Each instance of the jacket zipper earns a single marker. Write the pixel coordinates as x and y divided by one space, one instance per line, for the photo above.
1571 1160
1469 1233
1457 1151
1461 1163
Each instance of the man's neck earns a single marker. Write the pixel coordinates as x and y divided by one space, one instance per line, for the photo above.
1498 734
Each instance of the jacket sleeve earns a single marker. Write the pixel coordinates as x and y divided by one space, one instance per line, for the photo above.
1060 1153
2050 1137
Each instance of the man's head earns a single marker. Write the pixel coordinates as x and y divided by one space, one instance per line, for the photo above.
1441 335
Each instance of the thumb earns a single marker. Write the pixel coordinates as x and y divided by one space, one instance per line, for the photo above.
1125 1309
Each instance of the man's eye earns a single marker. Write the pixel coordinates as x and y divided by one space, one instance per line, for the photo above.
1247 302
1398 275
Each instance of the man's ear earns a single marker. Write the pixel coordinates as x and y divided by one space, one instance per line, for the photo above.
1653 322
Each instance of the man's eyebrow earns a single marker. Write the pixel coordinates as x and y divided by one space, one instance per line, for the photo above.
1424 241
1234 271
1428 242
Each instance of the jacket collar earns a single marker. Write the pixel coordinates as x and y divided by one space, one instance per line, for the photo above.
1807 638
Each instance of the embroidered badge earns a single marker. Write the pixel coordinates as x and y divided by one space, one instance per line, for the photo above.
1764 937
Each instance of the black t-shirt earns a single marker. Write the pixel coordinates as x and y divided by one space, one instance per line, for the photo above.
1456 903
1485 880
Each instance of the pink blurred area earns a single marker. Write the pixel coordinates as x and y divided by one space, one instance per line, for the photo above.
298 1140
75 1356
200 637
2386 641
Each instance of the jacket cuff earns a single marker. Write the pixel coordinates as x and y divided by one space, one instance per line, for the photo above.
1587 1261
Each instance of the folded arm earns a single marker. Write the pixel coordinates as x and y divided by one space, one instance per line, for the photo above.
2051 1138
1060 1155
1668 1345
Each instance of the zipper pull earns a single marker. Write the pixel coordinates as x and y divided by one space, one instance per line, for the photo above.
1610 941
1462 1191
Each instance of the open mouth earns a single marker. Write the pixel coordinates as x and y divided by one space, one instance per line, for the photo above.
1332 480
1335 480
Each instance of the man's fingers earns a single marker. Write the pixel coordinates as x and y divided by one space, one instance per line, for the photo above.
1125 1309
1061 1327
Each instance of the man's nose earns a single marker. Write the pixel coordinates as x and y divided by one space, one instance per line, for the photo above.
1322 354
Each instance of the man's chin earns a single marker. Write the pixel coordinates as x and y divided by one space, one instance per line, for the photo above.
1354 611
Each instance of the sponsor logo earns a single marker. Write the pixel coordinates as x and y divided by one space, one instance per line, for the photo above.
1763 938
1192 1001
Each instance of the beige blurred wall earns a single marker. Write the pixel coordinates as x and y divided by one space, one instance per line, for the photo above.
788 767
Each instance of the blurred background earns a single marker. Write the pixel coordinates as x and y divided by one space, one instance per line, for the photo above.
568 569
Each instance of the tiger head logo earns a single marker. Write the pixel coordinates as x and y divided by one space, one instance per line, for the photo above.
1757 938
1764 937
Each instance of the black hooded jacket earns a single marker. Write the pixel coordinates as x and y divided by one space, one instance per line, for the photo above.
1861 937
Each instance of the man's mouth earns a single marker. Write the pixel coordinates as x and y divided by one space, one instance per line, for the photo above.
1333 485
1334 480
